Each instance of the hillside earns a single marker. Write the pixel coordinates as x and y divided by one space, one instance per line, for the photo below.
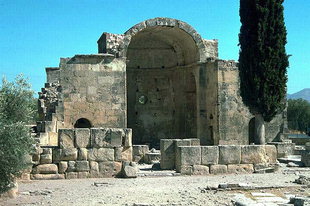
304 94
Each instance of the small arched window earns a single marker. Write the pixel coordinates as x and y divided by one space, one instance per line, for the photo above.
82 123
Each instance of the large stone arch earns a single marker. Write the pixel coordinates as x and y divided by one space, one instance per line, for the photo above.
163 57
168 23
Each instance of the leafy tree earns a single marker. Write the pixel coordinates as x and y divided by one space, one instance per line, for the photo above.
263 60
16 111
298 115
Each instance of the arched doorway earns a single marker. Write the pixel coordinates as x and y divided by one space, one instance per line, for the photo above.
82 123
161 86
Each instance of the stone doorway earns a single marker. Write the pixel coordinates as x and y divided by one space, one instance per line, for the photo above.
161 85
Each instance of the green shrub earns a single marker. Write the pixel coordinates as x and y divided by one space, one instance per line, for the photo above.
16 110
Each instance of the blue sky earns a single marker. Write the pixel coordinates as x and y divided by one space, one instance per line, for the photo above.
34 34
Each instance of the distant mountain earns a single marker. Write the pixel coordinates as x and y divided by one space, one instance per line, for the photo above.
304 94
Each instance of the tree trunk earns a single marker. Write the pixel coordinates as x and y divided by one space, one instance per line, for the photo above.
259 129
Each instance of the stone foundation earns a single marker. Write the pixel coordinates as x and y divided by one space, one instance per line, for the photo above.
84 153
191 159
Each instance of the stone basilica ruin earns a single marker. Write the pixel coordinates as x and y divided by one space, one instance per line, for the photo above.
159 84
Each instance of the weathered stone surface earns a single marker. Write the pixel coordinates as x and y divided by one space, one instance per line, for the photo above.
62 167
106 169
240 168
229 154
305 158
195 142
46 159
116 137
139 151
151 158
218 169
101 154
66 138
200 170
271 153
47 176
188 155
100 137
71 166
108 137
253 154
83 175
47 151
181 142
65 154
94 169
284 148
186 170
128 171
82 137
82 166
209 155
46 169
127 154
71 175
82 154
117 167
167 151
118 153
128 137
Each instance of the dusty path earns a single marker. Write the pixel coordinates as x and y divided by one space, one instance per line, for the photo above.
174 190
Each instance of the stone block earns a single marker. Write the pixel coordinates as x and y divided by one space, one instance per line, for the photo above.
253 154
240 169
45 169
305 158
101 154
181 142
106 169
195 142
83 175
82 137
47 151
116 137
71 166
229 154
151 158
128 171
271 153
82 166
209 155
100 137
66 138
186 170
200 170
65 154
71 175
46 159
126 154
118 153
187 155
82 154
53 138
117 167
94 166
167 151
47 176
284 149
128 137
218 169
62 167
138 152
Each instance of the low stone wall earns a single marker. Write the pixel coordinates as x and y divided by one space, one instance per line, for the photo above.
202 160
83 153
305 155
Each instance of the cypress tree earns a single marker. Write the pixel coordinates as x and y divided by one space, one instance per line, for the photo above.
263 60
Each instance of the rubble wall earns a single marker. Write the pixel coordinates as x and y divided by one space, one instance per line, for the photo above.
84 153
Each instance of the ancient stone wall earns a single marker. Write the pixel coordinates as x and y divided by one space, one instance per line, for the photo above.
235 125
93 87
83 153
187 157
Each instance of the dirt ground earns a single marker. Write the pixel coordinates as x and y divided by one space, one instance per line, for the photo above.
150 190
